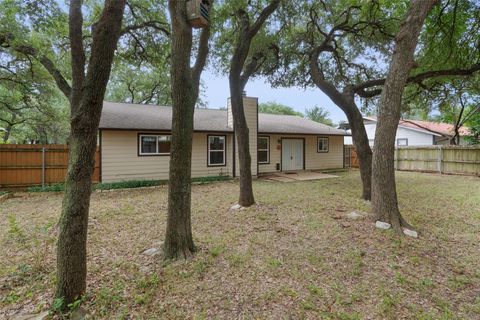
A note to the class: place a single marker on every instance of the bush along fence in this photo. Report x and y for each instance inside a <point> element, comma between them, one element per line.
<point>24,165</point>
<point>464,160</point>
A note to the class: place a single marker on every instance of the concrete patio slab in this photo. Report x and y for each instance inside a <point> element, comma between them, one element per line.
<point>296,176</point>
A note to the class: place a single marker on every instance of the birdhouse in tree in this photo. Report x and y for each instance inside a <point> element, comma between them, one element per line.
<point>197,13</point>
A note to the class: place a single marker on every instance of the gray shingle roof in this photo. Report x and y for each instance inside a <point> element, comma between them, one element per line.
<point>127,116</point>
<point>275,123</point>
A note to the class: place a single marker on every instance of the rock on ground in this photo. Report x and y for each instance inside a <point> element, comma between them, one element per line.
<point>383,225</point>
<point>236,207</point>
<point>152,252</point>
<point>410,233</point>
<point>355,215</point>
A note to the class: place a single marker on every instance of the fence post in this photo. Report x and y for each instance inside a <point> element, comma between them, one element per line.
<point>440,158</point>
<point>43,167</point>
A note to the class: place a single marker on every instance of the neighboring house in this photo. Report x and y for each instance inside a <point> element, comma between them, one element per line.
<point>416,132</point>
<point>135,142</point>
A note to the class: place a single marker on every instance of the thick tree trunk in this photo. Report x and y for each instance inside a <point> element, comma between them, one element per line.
<point>246,198</point>
<point>185,83</point>
<point>86,109</point>
<point>384,195</point>
<point>72,240</point>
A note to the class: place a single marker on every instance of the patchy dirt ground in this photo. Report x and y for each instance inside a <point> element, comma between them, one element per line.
<point>295,255</point>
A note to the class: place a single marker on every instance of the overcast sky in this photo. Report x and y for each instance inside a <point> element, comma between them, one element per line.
<point>217,92</point>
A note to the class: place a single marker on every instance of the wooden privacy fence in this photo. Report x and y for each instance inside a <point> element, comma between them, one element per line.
<point>442,159</point>
<point>23,165</point>
<point>463,160</point>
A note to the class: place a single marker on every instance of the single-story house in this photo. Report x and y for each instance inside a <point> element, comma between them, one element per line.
<point>416,132</point>
<point>135,142</point>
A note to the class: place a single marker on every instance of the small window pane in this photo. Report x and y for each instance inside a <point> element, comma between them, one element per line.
<point>262,143</point>
<point>217,143</point>
<point>262,156</point>
<point>322,144</point>
<point>216,157</point>
<point>402,142</point>
<point>164,144</point>
<point>149,144</point>
<point>216,150</point>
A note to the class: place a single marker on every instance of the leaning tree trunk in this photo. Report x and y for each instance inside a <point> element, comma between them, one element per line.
<point>185,87</point>
<point>384,195</point>
<point>246,198</point>
<point>346,101</point>
<point>360,141</point>
<point>239,75</point>
<point>86,109</point>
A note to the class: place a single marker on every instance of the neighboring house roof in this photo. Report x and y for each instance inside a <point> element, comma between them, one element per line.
<point>435,128</point>
<point>128,116</point>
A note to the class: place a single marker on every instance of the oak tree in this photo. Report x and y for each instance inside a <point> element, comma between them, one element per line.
<point>242,21</point>
<point>384,195</point>
<point>341,47</point>
<point>185,82</point>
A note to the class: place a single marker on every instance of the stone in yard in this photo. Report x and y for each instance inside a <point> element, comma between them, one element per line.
<point>383,225</point>
<point>152,252</point>
<point>236,207</point>
<point>355,215</point>
<point>410,233</point>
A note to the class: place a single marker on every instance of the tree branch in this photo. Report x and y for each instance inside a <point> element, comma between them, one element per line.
<point>157,25</point>
<point>202,55</point>
<point>266,12</point>
<point>75,24</point>
<point>6,41</point>
<point>361,89</point>
<point>317,77</point>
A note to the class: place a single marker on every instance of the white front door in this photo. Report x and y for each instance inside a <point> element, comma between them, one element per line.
<point>292,154</point>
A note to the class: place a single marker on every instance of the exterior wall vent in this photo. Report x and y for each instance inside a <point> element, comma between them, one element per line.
<point>198,13</point>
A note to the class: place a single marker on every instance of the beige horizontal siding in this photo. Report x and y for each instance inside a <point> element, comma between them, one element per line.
<point>250,106</point>
<point>120,160</point>
<point>313,159</point>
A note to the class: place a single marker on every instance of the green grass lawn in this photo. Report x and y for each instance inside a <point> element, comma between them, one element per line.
<point>294,255</point>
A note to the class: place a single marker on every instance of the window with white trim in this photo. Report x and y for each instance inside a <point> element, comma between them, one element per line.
<point>154,144</point>
<point>322,144</point>
<point>402,142</point>
<point>263,148</point>
<point>216,151</point>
